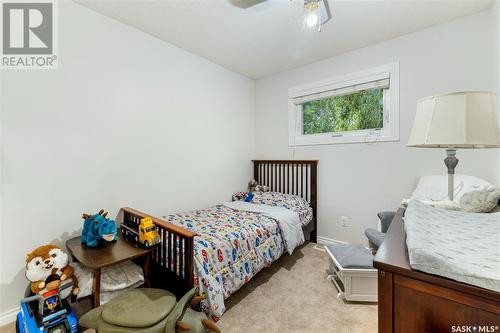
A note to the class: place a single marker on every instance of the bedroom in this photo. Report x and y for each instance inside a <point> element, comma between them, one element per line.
<point>162,106</point>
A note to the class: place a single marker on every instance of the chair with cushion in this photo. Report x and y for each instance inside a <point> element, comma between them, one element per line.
<point>352,272</point>
<point>148,310</point>
<point>375,237</point>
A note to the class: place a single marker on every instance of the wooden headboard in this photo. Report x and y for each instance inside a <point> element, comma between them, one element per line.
<point>298,177</point>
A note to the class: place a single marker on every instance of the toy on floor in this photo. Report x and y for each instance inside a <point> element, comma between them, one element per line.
<point>47,312</point>
<point>45,261</point>
<point>98,229</point>
<point>150,310</point>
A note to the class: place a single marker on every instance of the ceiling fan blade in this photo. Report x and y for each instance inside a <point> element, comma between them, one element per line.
<point>244,4</point>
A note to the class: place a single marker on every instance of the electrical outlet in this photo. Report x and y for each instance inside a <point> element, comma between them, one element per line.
<point>344,221</point>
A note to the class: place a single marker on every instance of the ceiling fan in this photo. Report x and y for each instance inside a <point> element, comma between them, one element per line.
<point>316,12</point>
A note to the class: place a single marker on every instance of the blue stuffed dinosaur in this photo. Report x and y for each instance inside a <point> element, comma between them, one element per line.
<point>98,229</point>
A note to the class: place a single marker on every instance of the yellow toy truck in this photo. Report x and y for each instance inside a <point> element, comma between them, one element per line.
<point>144,232</point>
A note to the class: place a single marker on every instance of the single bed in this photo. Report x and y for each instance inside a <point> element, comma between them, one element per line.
<point>221,248</point>
<point>410,300</point>
<point>458,245</point>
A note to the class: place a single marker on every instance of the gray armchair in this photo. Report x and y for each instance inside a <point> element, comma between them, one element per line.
<point>375,237</point>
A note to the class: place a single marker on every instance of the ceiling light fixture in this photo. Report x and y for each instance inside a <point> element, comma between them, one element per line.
<point>316,13</point>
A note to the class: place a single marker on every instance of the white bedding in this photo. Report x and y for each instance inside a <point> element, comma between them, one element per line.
<point>114,279</point>
<point>471,194</point>
<point>288,221</point>
<point>458,245</point>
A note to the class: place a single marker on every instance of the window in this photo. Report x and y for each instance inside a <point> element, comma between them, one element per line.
<point>361,107</point>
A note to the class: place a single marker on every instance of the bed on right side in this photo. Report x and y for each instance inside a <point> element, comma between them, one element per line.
<point>412,300</point>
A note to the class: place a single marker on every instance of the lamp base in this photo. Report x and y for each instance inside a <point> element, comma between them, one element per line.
<point>451,162</point>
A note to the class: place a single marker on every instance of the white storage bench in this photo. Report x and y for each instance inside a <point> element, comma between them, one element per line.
<point>352,272</point>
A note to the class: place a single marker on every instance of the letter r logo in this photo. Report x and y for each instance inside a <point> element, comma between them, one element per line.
<point>27,28</point>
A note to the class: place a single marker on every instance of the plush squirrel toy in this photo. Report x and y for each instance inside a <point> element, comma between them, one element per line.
<point>45,261</point>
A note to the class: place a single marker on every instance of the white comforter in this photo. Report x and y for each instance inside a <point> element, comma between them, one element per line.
<point>288,221</point>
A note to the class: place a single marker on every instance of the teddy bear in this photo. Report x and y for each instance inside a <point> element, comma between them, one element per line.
<point>254,186</point>
<point>45,261</point>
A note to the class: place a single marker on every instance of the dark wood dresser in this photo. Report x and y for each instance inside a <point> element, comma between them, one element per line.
<point>412,301</point>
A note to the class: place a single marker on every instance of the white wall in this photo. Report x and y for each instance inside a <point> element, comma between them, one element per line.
<point>359,180</point>
<point>496,41</point>
<point>126,120</point>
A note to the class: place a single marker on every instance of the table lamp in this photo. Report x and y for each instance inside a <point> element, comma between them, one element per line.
<point>456,120</point>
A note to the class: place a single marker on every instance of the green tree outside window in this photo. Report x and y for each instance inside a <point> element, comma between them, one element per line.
<point>358,111</point>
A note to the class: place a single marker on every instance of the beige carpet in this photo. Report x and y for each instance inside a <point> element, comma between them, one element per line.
<point>292,296</point>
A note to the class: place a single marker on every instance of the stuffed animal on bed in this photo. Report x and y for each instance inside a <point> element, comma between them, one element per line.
<point>254,186</point>
<point>98,229</point>
<point>46,261</point>
<point>239,196</point>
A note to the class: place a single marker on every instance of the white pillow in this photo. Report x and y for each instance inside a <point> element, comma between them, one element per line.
<point>436,187</point>
<point>480,201</point>
<point>496,209</point>
<point>433,190</point>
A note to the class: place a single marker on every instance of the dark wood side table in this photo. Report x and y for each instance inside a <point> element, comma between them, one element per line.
<point>107,255</point>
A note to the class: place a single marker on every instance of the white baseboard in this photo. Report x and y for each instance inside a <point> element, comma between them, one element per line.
<point>8,316</point>
<point>327,241</point>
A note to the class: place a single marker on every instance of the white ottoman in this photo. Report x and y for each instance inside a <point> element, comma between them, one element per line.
<point>352,272</point>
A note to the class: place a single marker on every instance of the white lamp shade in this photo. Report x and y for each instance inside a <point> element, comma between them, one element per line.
<point>456,120</point>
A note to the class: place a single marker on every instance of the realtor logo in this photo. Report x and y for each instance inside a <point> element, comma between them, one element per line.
<point>28,35</point>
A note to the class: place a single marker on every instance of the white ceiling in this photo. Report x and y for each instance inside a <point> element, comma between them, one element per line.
<point>270,38</point>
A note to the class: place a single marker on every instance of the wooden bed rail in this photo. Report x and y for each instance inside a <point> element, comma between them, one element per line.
<point>175,251</point>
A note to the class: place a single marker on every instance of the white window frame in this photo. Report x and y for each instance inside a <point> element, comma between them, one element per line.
<point>390,131</point>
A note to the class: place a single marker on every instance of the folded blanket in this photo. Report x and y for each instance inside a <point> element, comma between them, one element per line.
<point>288,221</point>
<point>114,278</point>
<point>445,204</point>
<point>457,245</point>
